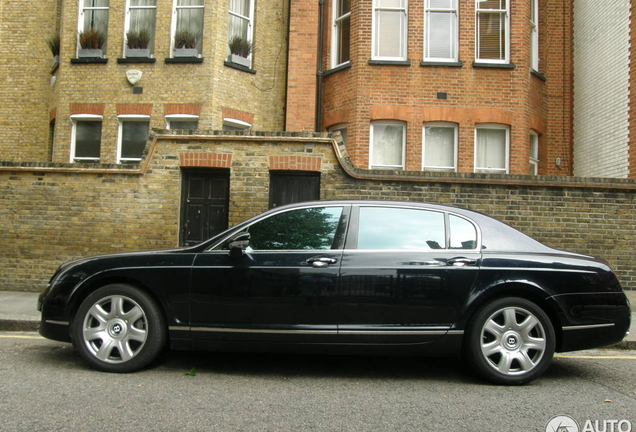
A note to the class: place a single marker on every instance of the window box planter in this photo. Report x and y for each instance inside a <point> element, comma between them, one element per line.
<point>185,52</point>
<point>90,53</point>
<point>137,52</point>
<point>243,61</point>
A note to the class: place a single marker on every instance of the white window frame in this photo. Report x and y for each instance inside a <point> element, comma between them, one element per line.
<point>335,34</point>
<point>454,32</point>
<point>403,36</point>
<point>127,23</point>
<point>448,125</point>
<point>250,26</point>
<point>124,118</point>
<point>236,124</point>
<point>74,120</point>
<point>173,24</point>
<point>80,22</point>
<point>534,153</point>
<point>488,170</point>
<point>534,34</point>
<point>505,13</point>
<point>179,117</point>
<point>339,128</point>
<point>373,165</point>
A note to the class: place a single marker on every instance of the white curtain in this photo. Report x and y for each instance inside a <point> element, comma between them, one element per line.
<point>387,144</point>
<point>439,147</point>
<point>491,149</point>
<point>142,16</point>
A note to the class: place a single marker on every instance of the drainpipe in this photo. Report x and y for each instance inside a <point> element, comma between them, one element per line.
<point>321,30</point>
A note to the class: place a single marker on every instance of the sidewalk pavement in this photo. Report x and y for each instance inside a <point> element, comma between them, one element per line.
<point>18,312</point>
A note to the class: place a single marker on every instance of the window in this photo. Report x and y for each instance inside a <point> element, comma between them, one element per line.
<point>492,31</point>
<point>140,24</point>
<point>410,229</point>
<point>342,128</point>
<point>440,35</point>
<point>534,154</point>
<point>491,149</point>
<point>288,187</point>
<point>389,29</point>
<point>132,138</point>
<point>182,121</point>
<point>187,24</point>
<point>93,24</point>
<point>230,124</point>
<point>302,229</point>
<point>341,36</point>
<point>240,27</point>
<point>387,145</point>
<point>86,137</point>
<point>462,233</point>
<point>439,147</point>
<point>534,34</point>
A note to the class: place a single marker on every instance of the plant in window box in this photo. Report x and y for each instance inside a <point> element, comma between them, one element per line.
<point>54,45</point>
<point>137,42</point>
<point>185,44</point>
<point>91,43</point>
<point>240,50</point>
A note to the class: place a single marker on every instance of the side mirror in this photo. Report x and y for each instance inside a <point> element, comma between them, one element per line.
<point>238,244</point>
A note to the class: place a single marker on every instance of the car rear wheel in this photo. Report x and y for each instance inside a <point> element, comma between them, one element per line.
<point>119,328</point>
<point>510,341</point>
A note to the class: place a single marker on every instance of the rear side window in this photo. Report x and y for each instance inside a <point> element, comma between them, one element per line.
<point>462,233</point>
<point>403,229</point>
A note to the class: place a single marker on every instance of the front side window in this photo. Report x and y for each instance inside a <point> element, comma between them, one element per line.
<point>240,28</point>
<point>410,229</point>
<point>440,32</point>
<point>86,137</point>
<point>491,149</point>
<point>184,121</point>
<point>439,147</point>
<point>93,24</point>
<point>534,154</point>
<point>341,35</point>
<point>187,24</point>
<point>387,145</point>
<point>493,28</point>
<point>133,135</point>
<point>389,29</point>
<point>140,25</point>
<point>302,229</point>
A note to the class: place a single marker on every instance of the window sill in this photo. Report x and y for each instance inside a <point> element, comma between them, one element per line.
<point>538,75</point>
<point>137,60</point>
<point>239,67</point>
<point>494,65</point>
<point>195,60</point>
<point>338,68</point>
<point>89,60</point>
<point>390,62</point>
<point>457,64</point>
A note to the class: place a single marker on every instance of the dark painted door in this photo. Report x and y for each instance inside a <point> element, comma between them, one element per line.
<point>204,206</point>
<point>288,187</point>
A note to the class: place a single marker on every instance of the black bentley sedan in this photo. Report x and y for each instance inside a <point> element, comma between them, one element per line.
<point>348,277</point>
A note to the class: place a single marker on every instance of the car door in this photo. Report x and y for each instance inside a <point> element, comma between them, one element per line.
<point>284,286</point>
<point>405,273</point>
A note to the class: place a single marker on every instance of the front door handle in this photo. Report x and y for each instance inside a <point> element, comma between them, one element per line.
<point>461,262</point>
<point>321,261</point>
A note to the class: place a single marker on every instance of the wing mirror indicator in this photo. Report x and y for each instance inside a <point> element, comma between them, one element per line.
<point>238,244</point>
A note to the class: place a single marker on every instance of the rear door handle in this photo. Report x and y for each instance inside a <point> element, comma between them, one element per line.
<point>461,262</point>
<point>321,261</point>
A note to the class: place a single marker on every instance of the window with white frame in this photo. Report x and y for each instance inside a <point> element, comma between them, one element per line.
<point>389,29</point>
<point>140,24</point>
<point>534,34</point>
<point>439,147</point>
<point>240,28</point>
<point>342,128</point>
<point>492,143</point>
<point>133,135</point>
<point>441,31</point>
<point>86,137</point>
<point>230,124</point>
<point>493,31</point>
<point>341,35</point>
<point>182,121</point>
<point>388,139</point>
<point>92,27</point>
<point>187,24</point>
<point>534,153</point>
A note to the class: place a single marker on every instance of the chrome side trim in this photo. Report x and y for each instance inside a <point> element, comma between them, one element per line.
<point>589,326</point>
<point>57,322</point>
<point>414,332</point>
<point>179,328</point>
<point>272,331</point>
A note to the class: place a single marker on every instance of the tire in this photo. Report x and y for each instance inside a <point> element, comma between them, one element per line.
<point>119,328</point>
<point>510,341</point>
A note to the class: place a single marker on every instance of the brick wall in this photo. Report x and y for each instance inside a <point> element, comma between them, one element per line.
<point>51,213</point>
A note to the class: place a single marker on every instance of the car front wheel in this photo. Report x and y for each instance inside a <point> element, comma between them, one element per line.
<point>510,341</point>
<point>119,328</point>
